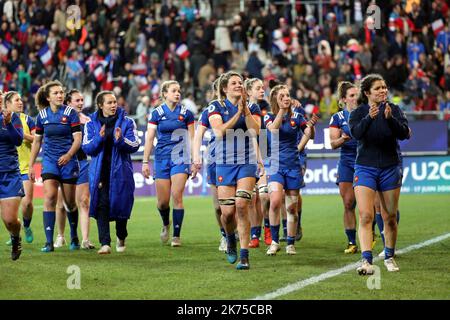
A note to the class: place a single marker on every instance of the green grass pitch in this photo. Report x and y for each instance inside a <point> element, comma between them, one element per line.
<point>197,270</point>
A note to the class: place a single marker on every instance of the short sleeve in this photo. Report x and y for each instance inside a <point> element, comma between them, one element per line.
<point>268,119</point>
<point>30,123</point>
<point>301,121</point>
<point>74,121</point>
<point>39,126</point>
<point>189,118</point>
<point>15,120</point>
<point>204,119</point>
<point>153,119</point>
<point>254,109</point>
<point>213,110</point>
<point>334,122</point>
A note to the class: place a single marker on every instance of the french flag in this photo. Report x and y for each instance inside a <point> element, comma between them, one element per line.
<point>45,55</point>
<point>142,83</point>
<point>99,71</point>
<point>182,51</point>
<point>437,26</point>
<point>139,69</point>
<point>5,47</point>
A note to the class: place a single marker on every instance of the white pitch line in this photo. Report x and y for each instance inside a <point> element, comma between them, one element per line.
<point>333,273</point>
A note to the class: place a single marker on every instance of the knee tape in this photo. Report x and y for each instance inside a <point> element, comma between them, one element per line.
<point>263,188</point>
<point>291,217</point>
<point>227,202</point>
<point>289,200</point>
<point>243,194</point>
<point>273,187</point>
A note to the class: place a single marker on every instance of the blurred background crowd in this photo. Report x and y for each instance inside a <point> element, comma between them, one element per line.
<point>130,47</point>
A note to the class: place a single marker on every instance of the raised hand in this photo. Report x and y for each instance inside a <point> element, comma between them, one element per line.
<point>373,111</point>
<point>388,111</point>
<point>102,131</point>
<point>7,116</point>
<point>118,133</point>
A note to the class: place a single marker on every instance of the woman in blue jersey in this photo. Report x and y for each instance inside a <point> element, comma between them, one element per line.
<point>284,171</point>
<point>173,126</point>
<point>340,138</point>
<point>377,125</point>
<point>75,99</point>
<point>235,124</point>
<point>13,103</point>
<point>11,188</point>
<point>109,138</point>
<point>202,127</point>
<point>58,130</point>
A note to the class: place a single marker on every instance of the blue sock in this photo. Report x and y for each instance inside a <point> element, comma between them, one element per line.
<point>49,225</point>
<point>178,215</point>
<point>253,233</point>
<point>244,254</point>
<point>258,231</point>
<point>388,253</point>
<point>26,222</point>
<point>398,216</point>
<point>73,222</point>
<point>222,232</point>
<point>351,235</point>
<point>275,231</point>
<point>284,221</point>
<point>368,256</point>
<point>290,240</point>
<point>380,224</point>
<point>266,223</point>
<point>165,216</point>
<point>231,240</point>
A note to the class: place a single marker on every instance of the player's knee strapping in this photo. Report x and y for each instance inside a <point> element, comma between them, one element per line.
<point>244,194</point>
<point>227,202</point>
<point>290,200</point>
<point>263,188</point>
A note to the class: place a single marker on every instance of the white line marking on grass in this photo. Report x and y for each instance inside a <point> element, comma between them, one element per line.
<point>333,273</point>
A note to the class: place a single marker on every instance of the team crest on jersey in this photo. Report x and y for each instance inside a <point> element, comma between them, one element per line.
<point>292,123</point>
<point>64,120</point>
<point>180,118</point>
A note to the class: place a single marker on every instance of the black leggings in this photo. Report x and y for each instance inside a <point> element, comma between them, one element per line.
<point>103,220</point>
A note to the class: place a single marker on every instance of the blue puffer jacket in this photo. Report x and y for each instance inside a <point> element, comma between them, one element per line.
<point>121,192</point>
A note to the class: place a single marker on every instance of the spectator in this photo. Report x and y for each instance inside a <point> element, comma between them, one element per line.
<point>328,104</point>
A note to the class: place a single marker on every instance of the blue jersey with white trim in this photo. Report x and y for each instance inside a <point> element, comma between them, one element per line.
<point>167,122</point>
<point>240,154</point>
<point>289,136</point>
<point>204,121</point>
<point>11,136</point>
<point>302,154</point>
<point>57,129</point>
<point>348,149</point>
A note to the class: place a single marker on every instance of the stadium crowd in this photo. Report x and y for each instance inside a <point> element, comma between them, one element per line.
<point>130,47</point>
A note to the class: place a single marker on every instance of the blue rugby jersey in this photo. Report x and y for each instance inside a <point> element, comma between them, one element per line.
<point>289,136</point>
<point>204,121</point>
<point>302,154</point>
<point>11,136</point>
<point>348,149</point>
<point>167,122</point>
<point>241,151</point>
<point>57,128</point>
